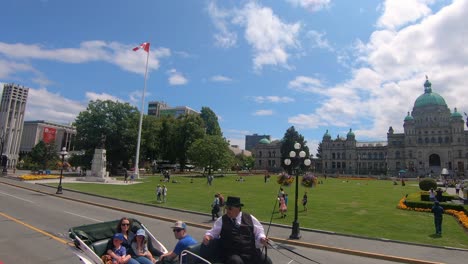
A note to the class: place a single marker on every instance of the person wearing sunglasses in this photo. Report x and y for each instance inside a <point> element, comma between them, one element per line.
<point>124,227</point>
<point>238,235</point>
<point>185,240</point>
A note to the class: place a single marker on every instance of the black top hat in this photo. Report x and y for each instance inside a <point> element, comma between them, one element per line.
<point>234,201</point>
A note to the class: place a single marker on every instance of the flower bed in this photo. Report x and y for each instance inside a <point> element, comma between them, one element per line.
<point>285,179</point>
<point>30,177</point>
<point>460,215</point>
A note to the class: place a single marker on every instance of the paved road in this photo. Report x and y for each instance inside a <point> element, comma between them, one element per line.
<point>310,242</point>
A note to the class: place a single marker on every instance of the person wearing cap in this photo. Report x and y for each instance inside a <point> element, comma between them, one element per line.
<point>240,235</point>
<point>185,240</point>
<point>119,252</point>
<point>438,212</point>
<point>140,248</point>
<point>124,228</point>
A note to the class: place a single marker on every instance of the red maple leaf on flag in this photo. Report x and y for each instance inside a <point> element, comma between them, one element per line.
<point>144,46</point>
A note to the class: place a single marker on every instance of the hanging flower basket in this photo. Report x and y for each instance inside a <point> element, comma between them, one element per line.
<point>309,180</point>
<point>285,179</point>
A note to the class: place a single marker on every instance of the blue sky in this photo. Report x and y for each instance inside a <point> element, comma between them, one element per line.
<point>261,66</point>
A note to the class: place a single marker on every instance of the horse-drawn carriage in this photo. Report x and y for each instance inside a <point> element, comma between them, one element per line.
<point>91,243</point>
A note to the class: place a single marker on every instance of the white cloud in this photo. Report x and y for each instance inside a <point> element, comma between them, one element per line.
<point>92,96</point>
<point>311,5</point>
<point>43,105</point>
<point>318,40</point>
<point>88,51</point>
<point>306,84</point>
<point>220,78</point>
<point>224,38</point>
<point>269,37</point>
<point>398,13</point>
<point>383,89</point>
<point>264,112</point>
<point>273,99</point>
<point>176,78</point>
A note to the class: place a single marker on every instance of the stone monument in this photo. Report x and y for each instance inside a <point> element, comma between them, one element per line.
<point>98,171</point>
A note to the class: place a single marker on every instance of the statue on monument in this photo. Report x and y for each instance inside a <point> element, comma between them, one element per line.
<point>103,142</point>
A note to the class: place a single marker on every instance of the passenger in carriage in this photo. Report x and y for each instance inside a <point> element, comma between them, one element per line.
<point>124,227</point>
<point>140,250</point>
<point>185,240</point>
<point>118,252</point>
<point>240,235</point>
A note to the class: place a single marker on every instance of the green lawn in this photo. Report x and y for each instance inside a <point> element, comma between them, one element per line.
<point>358,207</point>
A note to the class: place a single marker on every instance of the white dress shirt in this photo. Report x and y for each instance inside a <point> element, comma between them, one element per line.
<point>257,229</point>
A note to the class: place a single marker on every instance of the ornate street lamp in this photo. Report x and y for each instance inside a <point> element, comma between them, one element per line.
<point>297,158</point>
<point>63,153</point>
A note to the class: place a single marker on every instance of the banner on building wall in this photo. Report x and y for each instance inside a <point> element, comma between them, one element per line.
<point>49,135</point>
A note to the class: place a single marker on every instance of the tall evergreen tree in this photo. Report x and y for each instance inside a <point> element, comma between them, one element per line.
<point>289,139</point>
<point>211,121</point>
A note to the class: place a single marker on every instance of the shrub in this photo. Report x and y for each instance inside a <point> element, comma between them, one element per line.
<point>427,184</point>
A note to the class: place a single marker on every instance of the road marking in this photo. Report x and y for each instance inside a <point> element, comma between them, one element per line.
<point>19,198</point>
<point>95,220</point>
<point>35,228</point>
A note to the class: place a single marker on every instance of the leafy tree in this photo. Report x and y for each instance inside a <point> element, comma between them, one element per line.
<point>242,161</point>
<point>211,121</point>
<point>290,138</point>
<point>166,135</point>
<point>108,124</point>
<point>44,154</point>
<point>319,150</point>
<point>212,152</point>
<point>188,129</point>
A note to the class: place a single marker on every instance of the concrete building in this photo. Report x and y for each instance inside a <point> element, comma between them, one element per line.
<point>159,109</point>
<point>434,138</point>
<point>267,155</point>
<point>34,131</point>
<point>12,109</point>
<point>252,140</point>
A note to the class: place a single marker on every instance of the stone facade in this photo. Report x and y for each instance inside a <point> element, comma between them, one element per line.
<point>434,138</point>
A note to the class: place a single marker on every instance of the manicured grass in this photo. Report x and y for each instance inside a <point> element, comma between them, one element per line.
<point>359,207</point>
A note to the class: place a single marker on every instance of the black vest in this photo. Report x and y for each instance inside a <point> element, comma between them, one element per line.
<point>239,240</point>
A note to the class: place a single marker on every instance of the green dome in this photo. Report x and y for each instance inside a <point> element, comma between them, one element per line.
<point>264,141</point>
<point>350,133</point>
<point>455,114</point>
<point>429,98</point>
<point>326,135</point>
<point>409,117</point>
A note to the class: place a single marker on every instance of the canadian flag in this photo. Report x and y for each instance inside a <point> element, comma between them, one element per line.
<point>144,46</point>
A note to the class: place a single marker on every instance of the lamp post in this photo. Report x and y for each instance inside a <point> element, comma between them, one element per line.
<point>296,158</point>
<point>63,153</point>
<point>3,157</point>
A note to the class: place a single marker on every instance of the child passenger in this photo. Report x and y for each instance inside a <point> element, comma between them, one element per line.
<point>119,252</point>
<point>140,248</point>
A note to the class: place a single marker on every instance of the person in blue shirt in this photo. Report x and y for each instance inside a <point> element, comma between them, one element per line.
<point>185,240</point>
<point>119,252</point>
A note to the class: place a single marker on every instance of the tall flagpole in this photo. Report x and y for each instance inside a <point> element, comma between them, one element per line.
<point>137,156</point>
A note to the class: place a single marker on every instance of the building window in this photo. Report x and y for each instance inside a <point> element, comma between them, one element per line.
<point>397,154</point>
<point>259,154</point>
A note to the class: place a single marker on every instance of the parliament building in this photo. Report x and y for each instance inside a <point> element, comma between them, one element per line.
<point>434,138</point>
